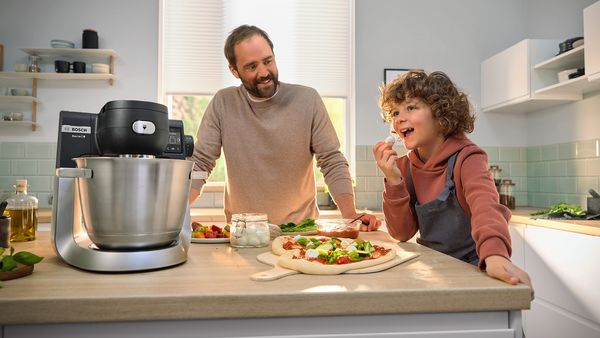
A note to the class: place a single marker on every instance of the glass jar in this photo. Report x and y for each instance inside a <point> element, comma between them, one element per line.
<point>507,196</point>
<point>22,209</point>
<point>249,231</point>
<point>495,171</point>
<point>34,64</point>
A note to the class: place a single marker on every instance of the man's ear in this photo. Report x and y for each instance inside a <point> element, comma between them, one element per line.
<point>234,72</point>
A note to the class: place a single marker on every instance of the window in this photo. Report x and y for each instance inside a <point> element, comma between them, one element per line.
<point>312,44</point>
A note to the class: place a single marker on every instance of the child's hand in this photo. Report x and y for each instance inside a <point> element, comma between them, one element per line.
<point>386,158</point>
<point>504,270</point>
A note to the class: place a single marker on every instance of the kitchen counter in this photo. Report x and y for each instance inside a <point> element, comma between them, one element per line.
<point>519,215</point>
<point>523,216</point>
<point>215,283</point>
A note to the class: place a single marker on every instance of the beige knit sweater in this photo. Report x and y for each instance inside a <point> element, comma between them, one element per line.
<point>269,148</point>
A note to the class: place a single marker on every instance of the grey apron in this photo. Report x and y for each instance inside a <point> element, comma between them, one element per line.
<point>443,224</point>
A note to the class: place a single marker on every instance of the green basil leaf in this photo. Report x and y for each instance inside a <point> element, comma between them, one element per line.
<point>8,263</point>
<point>27,258</point>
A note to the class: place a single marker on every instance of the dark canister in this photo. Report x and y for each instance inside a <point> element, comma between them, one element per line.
<point>62,66</point>
<point>4,231</point>
<point>132,127</point>
<point>78,67</point>
<point>90,39</point>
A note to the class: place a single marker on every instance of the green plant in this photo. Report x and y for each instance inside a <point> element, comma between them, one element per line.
<point>9,261</point>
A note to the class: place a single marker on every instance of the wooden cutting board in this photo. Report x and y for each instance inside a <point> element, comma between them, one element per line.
<point>278,272</point>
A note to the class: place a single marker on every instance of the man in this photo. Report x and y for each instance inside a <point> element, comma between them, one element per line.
<point>269,132</point>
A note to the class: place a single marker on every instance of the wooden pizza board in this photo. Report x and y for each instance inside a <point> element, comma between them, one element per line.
<point>278,272</point>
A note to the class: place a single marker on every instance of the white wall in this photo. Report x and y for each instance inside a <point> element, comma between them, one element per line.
<point>455,36</point>
<point>129,27</point>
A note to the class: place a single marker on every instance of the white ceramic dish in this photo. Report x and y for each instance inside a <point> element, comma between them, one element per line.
<point>20,67</point>
<point>210,240</point>
<point>62,44</point>
<point>564,75</point>
<point>100,68</point>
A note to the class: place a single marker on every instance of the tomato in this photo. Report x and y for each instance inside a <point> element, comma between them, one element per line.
<point>288,245</point>
<point>215,228</point>
<point>343,260</point>
<point>209,234</point>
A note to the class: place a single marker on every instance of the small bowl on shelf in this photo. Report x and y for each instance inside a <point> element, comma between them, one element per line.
<point>340,228</point>
<point>20,67</point>
<point>19,92</point>
<point>12,116</point>
<point>100,68</point>
<point>62,44</point>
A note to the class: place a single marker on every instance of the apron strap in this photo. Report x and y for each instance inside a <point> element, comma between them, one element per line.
<point>448,188</point>
<point>411,188</point>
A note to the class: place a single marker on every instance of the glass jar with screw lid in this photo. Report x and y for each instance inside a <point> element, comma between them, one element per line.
<point>249,230</point>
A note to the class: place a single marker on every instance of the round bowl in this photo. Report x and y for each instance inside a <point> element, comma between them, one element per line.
<point>133,203</point>
<point>100,68</point>
<point>341,228</point>
<point>19,92</point>
<point>20,67</point>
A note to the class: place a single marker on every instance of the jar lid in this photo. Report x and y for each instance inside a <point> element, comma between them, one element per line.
<point>495,167</point>
<point>249,217</point>
<point>507,182</point>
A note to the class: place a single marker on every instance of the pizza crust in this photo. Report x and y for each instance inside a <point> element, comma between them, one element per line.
<point>286,260</point>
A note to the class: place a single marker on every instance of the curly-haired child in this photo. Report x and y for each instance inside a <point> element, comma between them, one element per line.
<point>442,187</point>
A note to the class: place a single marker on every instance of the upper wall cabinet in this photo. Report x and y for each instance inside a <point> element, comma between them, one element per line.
<point>591,31</point>
<point>510,82</point>
<point>525,77</point>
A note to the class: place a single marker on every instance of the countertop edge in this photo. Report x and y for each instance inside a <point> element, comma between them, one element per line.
<point>49,311</point>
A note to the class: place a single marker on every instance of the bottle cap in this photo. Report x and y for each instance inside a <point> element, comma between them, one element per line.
<point>21,183</point>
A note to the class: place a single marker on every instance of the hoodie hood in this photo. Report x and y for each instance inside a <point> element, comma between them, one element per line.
<point>439,159</point>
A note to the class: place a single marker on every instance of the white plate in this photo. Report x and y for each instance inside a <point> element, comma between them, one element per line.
<point>210,240</point>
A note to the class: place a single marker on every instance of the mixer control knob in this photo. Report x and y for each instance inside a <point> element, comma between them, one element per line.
<point>143,127</point>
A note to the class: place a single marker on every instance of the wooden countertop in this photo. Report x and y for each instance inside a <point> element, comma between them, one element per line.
<point>215,283</point>
<point>523,216</point>
<point>520,215</point>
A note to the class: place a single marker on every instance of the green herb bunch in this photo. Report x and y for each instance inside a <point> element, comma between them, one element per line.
<point>562,207</point>
<point>9,261</point>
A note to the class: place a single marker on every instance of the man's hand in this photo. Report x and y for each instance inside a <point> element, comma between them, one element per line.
<point>370,222</point>
<point>504,270</point>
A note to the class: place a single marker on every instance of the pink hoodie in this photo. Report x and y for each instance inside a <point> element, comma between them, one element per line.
<point>475,191</point>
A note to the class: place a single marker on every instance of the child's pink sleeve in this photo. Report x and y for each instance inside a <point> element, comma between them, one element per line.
<point>401,222</point>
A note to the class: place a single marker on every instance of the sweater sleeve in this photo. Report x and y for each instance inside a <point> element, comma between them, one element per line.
<point>207,148</point>
<point>489,218</point>
<point>326,147</point>
<point>400,219</point>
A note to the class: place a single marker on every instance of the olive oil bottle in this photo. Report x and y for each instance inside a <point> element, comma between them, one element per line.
<point>22,209</point>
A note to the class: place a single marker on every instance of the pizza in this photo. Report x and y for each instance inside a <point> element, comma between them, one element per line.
<point>320,255</point>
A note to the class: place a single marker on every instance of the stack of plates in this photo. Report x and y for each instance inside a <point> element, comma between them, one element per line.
<point>62,44</point>
<point>100,68</point>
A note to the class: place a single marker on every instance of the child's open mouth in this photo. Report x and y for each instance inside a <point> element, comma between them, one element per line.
<point>406,132</point>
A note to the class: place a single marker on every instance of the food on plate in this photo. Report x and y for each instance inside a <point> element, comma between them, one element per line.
<point>307,225</point>
<point>209,231</point>
<point>343,228</point>
<point>321,255</point>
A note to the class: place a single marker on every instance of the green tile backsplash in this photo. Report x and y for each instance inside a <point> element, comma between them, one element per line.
<point>543,175</point>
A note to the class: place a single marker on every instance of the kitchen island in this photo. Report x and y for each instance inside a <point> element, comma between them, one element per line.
<point>212,295</point>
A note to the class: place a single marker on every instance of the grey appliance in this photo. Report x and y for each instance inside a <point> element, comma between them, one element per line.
<point>121,188</point>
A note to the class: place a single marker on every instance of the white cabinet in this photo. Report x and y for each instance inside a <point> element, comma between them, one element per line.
<point>566,277</point>
<point>30,80</point>
<point>591,32</point>
<point>517,233</point>
<point>524,77</point>
<point>509,82</point>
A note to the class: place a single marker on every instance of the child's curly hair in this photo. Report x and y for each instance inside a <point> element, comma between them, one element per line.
<point>450,107</point>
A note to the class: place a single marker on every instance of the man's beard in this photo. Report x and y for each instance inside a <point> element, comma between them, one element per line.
<point>263,93</point>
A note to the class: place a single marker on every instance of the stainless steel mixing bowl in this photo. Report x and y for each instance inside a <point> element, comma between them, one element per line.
<point>133,203</point>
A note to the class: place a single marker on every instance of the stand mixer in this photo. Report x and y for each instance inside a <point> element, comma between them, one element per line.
<point>121,188</point>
